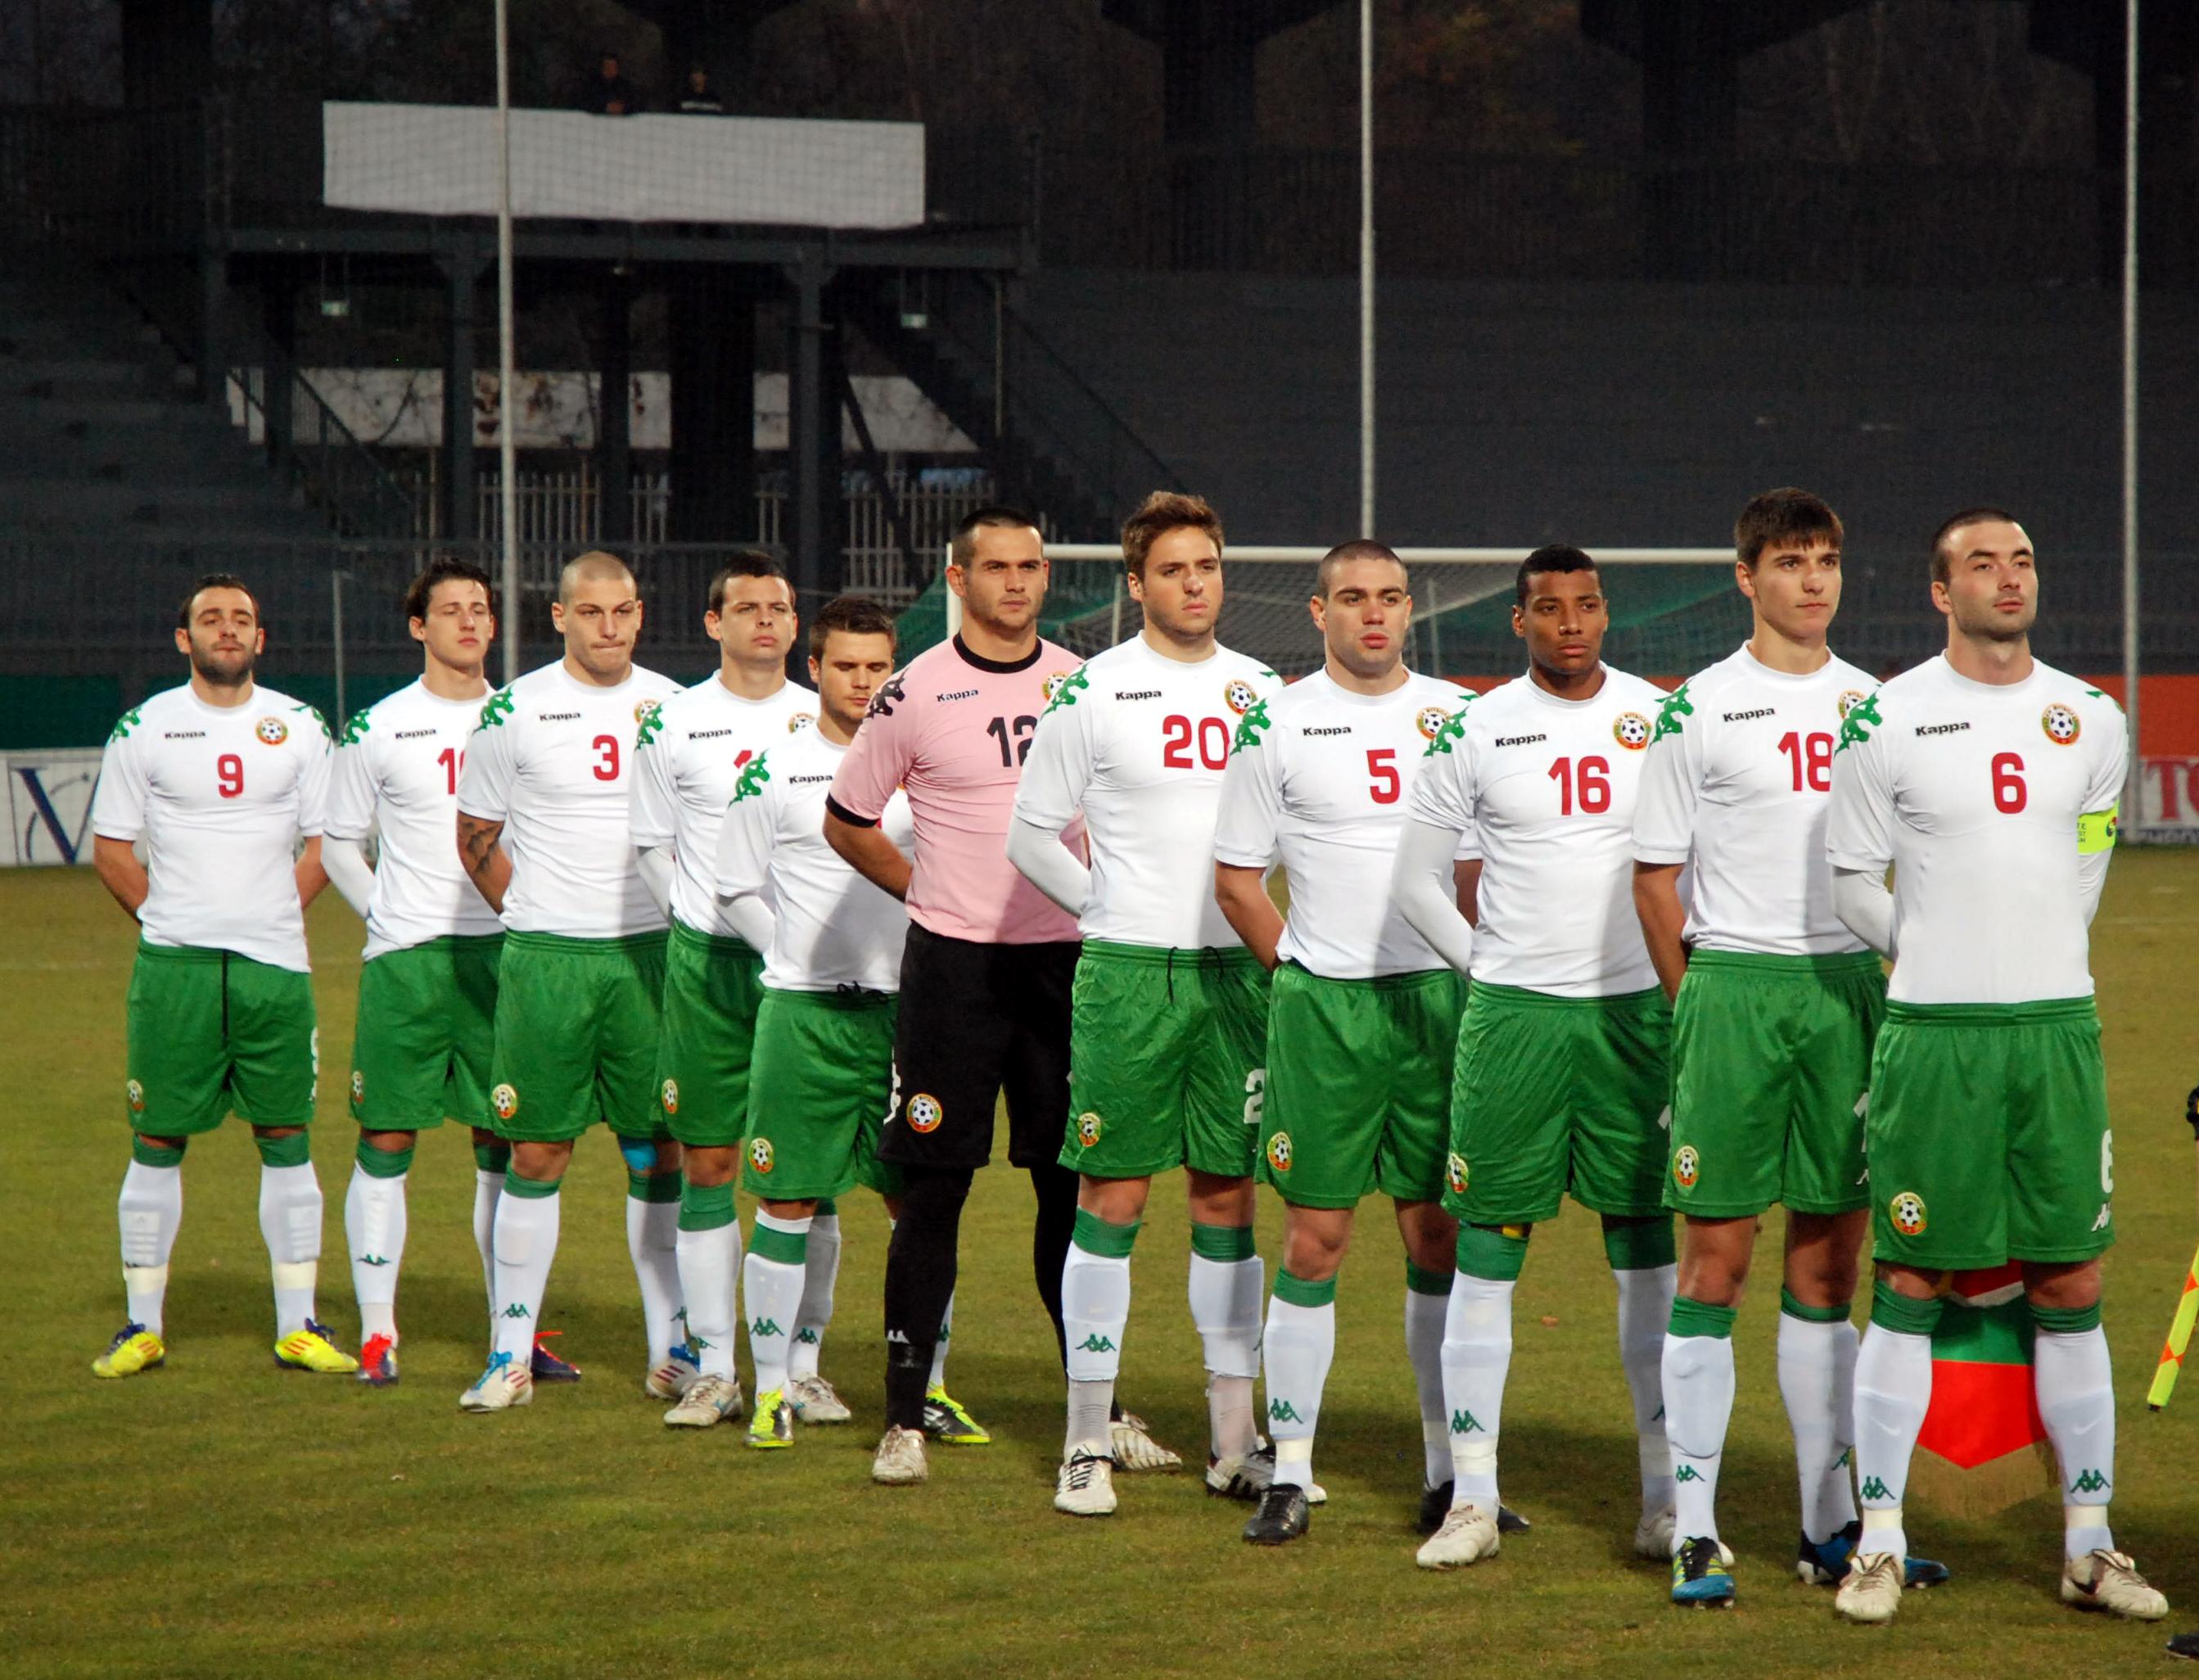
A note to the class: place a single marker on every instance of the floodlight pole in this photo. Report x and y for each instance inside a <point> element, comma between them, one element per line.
<point>2134,782</point>
<point>507,446</point>
<point>1367,267</point>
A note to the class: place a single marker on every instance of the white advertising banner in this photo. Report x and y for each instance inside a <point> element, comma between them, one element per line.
<point>49,805</point>
<point>776,171</point>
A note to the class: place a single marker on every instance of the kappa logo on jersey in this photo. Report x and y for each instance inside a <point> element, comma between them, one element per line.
<point>358,1086</point>
<point>1430,721</point>
<point>1250,725</point>
<point>1672,715</point>
<point>652,725</point>
<point>1907,1212</point>
<point>2061,725</point>
<point>754,774</point>
<point>890,694</point>
<point>924,1112</point>
<point>798,721</point>
<point>498,710</point>
<point>1455,1173</point>
<point>761,1156</point>
<point>356,725</point>
<point>1631,731</point>
<point>1850,699</point>
<point>1062,691</point>
<point>1240,695</point>
<point>1278,1152</point>
<point>272,730</point>
<point>1088,1128</point>
<point>1687,1167</point>
<point>668,1095</point>
<point>504,1100</point>
<point>1857,721</point>
<point>1451,732</point>
<point>136,1094</point>
<point>123,725</point>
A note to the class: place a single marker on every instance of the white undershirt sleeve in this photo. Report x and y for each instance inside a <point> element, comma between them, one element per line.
<point>1866,907</point>
<point>1048,864</point>
<point>348,872</point>
<point>654,864</point>
<point>1425,888</point>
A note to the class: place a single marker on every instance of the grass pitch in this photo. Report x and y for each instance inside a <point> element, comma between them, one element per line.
<point>219,1518</point>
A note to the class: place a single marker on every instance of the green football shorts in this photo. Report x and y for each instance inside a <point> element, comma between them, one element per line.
<point>1770,1063</point>
<point>422,1042</point>
<point>822,1082</point>
<point>1555,1095</point>
<point>1358,1086</point>
<point>576,1036</point>
<point>1165,1060</point>
<point>1988,1133</point>
<point>211,1032</point>
<point>712,986</point>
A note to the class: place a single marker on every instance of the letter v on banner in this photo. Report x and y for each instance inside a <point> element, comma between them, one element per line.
<point>50,801</point>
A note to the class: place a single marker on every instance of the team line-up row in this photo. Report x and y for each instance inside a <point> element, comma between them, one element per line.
<point>809,938</point>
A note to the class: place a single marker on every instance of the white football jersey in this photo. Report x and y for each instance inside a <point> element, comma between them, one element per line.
<point>1319,778</point>
<point>1738,786</point>
<point>832,928</point>
<point>220,795</point>
<point>689,758</point>
<point>1138,742</point>
<point>396,776</point>
<point>1546,790</point>
<point>1990,801</point>
<point>552,760</point>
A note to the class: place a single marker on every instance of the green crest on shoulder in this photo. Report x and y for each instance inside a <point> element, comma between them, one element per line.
<point>498,710</point>
<point>1071,686</point>
<point>356,725</point>
<point>753,775</point>
<point>652,723</point>
<point>1862,717</point>
<point>1452,732</point>
<point>123,725</point>
<point>1669,715</point>
<point>1250,725</point>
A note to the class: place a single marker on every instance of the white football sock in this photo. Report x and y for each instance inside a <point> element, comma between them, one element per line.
<point>652,1240</point>
<point>2075,1387</point>
<point>526,1243</point>
<point>1892,1392</point>
<point>1816,1379</point>
<point>820,1273</point>
<point>1645,1307</point>
<point>938,1378</point>
<point>773,1283</point>
<point>1225,1298</point>
<point>1698,1380</point>
<point>374,1225</point>
<point>1477,1355</point>
<point>1424,1337</point>
<point>1095,1308</point>
<point>149,1212</point>
<point>290,1223</point>
<point>708,1263</point>
<point>488,1186</point>
<point>1297,1349</point>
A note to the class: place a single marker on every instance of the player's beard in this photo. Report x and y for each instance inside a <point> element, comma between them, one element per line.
<point>217,670</point>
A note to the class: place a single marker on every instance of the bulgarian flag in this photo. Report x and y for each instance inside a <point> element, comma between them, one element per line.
<point>1983,1446</point>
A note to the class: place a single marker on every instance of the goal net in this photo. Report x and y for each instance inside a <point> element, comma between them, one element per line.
<point>1673,610</point>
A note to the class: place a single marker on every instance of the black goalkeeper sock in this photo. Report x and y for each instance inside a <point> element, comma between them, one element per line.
<point>921,1268</point>
<point>1055,1186</point>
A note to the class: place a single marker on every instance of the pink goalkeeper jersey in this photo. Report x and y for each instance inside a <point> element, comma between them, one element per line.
<point>954,729</point>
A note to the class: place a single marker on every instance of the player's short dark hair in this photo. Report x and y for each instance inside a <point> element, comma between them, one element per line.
<point>1359,548</point>
<point>217,580</point>
<point>854,616</point>
<point>1783,515</point>
<point>963,547</point>
<point>1942,560</point>
<point>1164,512</point>
<point>420,593</point>
<point>749,563</point>
<point>1550,558</point>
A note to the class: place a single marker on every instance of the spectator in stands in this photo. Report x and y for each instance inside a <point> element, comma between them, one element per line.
<point>701,98</point>
<point>609,94</point>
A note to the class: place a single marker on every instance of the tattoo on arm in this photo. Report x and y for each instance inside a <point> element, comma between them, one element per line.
<point>485,860</point>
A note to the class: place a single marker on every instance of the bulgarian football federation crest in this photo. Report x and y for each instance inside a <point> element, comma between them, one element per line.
<point>1631,731</point>
<point>1849,700</point>
<point>272,730</point>
<point>1278,1152</point>
<point>136,1093</point>
<point>1088,1128</point>
<point>1238,696</point>
<point>799,722</point>
<point>1430,721</point>
<point>759,1154</point>
<point>670,1096</point>
<point>1455,1173</point>
<point>1687,1166</point>
<point>1906,1211</point>
<point>358,1086</point>
<point>924,1112</point>
<point>504,1100</point>
<point>2061,725</point>
<point>1050,690</point>
<point>644,710</point>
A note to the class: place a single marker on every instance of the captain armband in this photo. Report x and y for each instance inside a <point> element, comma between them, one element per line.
<point>2096,832</point>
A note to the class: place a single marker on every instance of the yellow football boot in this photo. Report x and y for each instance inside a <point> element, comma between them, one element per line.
<point>310,1350</point>
<point>134,1348</point>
